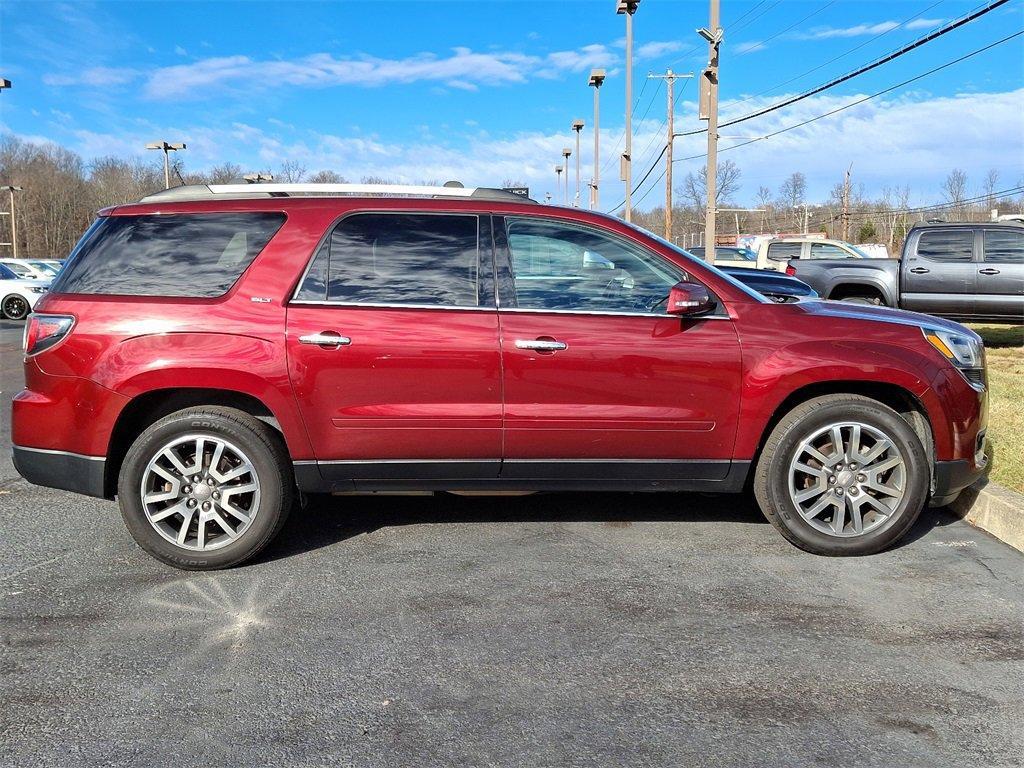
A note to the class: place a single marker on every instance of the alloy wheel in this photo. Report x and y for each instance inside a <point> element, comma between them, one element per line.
<point>200,492</point>
<point>847,479</point>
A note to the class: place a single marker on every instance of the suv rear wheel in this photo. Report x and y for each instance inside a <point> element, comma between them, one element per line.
<point>205,488</point>
<point>842,475</point>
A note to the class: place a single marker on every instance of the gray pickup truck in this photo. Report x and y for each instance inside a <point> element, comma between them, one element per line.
<point>962,271</point>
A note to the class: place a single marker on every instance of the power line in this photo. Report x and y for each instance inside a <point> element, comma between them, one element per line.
<point>840,56</point>
<point>860,70</point>
<point>797,24</point>
<point>751,20</point>
<point>827,114</point>
<point>938,206</point>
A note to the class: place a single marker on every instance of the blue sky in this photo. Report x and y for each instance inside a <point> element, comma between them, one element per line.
<point>484,91</point>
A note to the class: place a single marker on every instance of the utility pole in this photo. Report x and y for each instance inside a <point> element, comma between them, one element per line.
<point>628,7</point>
<point>166,148</point>
<point>846,204</point>
<point>596,78</point>
<point>577,126</point>
<point>14,224</point>
<point>709,111</point>
<point>806,219</point>
<point>566,153</point>
<point>670,81</point>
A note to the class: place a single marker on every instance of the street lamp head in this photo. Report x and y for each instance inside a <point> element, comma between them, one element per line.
<point>558,169</point>
<point>176,146</point>
<point>4,82</point>
<point>577,125</point>
<point>566,152</point>
<point>626,6</point>
<point>596,77</point>
<point>11,188</point>
<point>155,145</point>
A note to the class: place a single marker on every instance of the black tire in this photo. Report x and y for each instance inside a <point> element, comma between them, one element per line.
<point>771,477</point>
<point>14,307</point>
<point>264,449</point>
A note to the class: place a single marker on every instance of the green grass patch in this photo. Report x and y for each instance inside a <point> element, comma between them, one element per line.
<point>1004,350</point>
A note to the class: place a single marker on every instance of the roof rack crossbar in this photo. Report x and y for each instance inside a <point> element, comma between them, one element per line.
<point>200,191</point>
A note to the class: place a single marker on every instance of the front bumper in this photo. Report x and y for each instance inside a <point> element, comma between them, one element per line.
<point>62,469</point>
<point>952,477</point>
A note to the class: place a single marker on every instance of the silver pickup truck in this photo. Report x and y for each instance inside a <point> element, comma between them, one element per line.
<point>962,271</point>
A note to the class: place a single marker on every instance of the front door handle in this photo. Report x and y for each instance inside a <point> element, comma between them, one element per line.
<point>541,345</point>
<point>989,271</point>
<point>919,270</point>
<point>326,339</point>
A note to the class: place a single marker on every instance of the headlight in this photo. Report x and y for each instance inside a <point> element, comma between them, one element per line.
<point>965,352</point>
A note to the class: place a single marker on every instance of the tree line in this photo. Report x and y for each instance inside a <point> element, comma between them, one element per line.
<point>61,193</point>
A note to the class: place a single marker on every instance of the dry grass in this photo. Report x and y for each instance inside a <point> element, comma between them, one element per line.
<point>1004,348</point>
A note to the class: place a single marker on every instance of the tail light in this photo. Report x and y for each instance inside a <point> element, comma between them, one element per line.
<point>45,331</point>
<point>790,270</point>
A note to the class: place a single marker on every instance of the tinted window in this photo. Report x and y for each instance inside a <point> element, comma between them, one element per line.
<point>948,245</point>
<point>1004,247</point>
<point>559,266</point>
<point>784,251</point>
<point>828,251</point>
<point>398,259</point>
<point>187,255</point>
<point>6,274</point>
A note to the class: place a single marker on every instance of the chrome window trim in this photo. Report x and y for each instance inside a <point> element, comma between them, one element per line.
<point>382,305</point>
<point>611,313</point>
<point>329,232</point>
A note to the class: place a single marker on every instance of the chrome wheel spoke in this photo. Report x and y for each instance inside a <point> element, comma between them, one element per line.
<point>847,478</point>
<point>191,502</point>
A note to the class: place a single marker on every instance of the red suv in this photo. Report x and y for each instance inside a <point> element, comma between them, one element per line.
<point>211,354</point>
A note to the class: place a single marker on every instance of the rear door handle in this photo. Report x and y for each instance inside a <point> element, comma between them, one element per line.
<point>326,339</point>
<point>988,271</point>
<point>541,345</point>
<point>919,270</point>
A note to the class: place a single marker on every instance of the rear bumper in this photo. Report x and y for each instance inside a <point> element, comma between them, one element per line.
<point>61,469</point>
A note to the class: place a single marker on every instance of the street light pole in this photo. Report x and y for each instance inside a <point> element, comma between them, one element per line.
<point>628,7</point>
<point>558,181</point>
<point>566,153</point>
<point>709,112</point>
<point>166,148</point>
<point>577,125</point>
<point>596,78</point>
<point>14,224</point>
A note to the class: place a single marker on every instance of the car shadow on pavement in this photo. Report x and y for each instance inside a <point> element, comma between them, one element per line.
<point>328,520</point>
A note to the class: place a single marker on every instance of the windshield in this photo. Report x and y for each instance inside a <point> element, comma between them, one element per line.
<point>687,255</point>
<point>21,270</point>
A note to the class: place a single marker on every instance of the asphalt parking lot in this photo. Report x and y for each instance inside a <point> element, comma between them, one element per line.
<point>571,629</point>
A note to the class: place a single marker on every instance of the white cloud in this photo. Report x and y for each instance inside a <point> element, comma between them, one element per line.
<point>923,23</point>
<point>180,51</point>
<point>749,47</point>
<point>96,77</point>
<point>825,33</point>
<point>658,48</point>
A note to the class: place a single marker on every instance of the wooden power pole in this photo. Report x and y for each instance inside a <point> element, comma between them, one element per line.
<point>670,78</point>
<point>846,204</point>
<point>709,112</point>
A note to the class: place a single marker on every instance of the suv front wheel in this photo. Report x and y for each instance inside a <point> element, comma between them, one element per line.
<point>205,488</point>
<point>842,475</point>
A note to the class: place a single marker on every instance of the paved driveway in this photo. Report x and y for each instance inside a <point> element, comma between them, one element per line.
<point>569,629</point>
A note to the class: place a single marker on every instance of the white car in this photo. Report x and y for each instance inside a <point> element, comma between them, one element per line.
<point>18,296</point>
<point>26,270</point>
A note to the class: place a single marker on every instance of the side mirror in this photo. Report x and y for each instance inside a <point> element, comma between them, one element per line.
<point>689,299</point>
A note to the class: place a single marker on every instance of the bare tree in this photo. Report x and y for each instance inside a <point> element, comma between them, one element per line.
<point>954,188</point>
<point>292,172</point>
<point>792,193</point>
<point>989,187</point>
<point>327,177</point>
<point>694,190</point>
<point>225,174</point>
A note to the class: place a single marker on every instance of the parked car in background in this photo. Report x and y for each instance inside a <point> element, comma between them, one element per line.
<point>17,295</point>
<point>777,286</point>
<point>24,270</point>
<point>874,250</point>
<point>44,267</point>
<point>963,271</point>
<point>728,256</point>
<point>234,347</point>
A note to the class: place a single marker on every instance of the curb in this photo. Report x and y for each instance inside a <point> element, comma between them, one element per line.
<point>994,509</point>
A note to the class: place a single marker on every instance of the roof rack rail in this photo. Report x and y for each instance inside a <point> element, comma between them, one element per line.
<point>207,191</point>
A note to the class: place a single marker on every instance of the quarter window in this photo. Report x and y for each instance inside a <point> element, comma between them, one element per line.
<point>828,251</point>
<point>416,259</point>
<point>784,251</point>
<point>946,246</point>
<point>564,267</point>
<point>1004,247</point>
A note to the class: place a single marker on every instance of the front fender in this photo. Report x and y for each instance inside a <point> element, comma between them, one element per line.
<point>772,378</point>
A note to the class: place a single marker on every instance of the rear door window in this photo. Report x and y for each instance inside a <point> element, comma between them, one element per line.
<point>197,255</point>
<point>946,245</point>
<point>398,259</point>
<point>784,251</point>
<point>1004,247</point>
